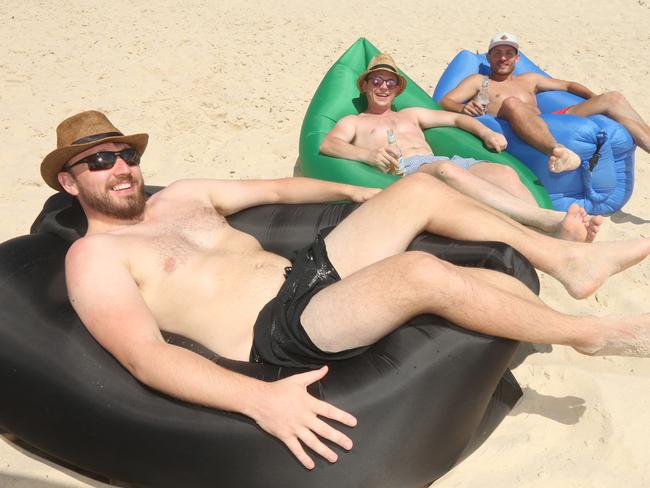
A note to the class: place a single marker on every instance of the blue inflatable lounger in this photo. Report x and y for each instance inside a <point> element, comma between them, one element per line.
<point>605,180</point>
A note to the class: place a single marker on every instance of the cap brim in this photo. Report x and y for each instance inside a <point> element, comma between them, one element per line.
<point>54,162</point>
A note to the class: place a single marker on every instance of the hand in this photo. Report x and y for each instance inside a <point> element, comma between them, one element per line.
<point>473,108</point>
<point>360,194</point>
<point>385,159</point>
<point>292,415</point>
<point>494,140</point>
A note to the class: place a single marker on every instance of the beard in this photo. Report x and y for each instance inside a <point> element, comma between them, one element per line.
<point>127,208</point>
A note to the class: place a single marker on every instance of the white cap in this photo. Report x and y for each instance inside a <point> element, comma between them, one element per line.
<point>504,39</point>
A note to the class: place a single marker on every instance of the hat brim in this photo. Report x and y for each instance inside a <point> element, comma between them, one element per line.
<point>362,78</point>
<point>53,163</point>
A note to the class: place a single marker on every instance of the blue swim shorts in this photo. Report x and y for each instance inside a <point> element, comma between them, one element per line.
<point>412,164</point>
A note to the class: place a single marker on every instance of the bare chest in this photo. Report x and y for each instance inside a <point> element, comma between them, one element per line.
<point>517,88</point>
<point>372,131</point>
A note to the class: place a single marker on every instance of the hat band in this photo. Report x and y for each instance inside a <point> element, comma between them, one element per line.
<point>383,66</point>
<point>96,137</point>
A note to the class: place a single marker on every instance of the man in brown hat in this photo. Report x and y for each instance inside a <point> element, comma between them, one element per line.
<point>172,262</point>
<point>394,141</point>
<point>512,98</point>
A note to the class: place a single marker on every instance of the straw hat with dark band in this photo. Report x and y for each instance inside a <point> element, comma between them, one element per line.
<point>382,62</point>
<point>80,132</point>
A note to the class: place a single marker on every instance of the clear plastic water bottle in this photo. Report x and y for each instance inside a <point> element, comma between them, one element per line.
<point>392,143</point>
<point>483,96</point>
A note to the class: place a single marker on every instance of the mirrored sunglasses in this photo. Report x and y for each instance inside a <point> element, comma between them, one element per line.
<point>377,81</point>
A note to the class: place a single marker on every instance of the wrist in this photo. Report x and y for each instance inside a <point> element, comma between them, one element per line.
<point>253,400</point>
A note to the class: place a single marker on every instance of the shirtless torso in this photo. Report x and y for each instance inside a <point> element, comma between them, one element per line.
<point>371,131</point>
<point>522,87</point>
<point>199,276</point>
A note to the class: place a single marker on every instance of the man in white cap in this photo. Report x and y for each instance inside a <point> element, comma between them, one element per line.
<point>512,97</point>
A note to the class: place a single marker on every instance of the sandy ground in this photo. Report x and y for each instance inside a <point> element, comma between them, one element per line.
<point>222,88</point>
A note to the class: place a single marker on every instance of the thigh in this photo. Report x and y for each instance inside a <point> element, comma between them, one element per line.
<point>372,302</point>
<point>386,224</point>
<point>588,107</point>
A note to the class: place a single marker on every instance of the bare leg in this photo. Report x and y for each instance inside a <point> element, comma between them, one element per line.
<point>386,224</point>
<point>575,225</point>
<point>413,283</point>
<point>530,127</point>
<point>503,177</point>
<point>616,106</point>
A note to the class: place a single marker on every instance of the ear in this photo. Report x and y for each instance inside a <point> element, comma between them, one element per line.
<point>69,184</point>
<point>364,87</point>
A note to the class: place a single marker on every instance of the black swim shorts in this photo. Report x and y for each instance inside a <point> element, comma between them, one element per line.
<point>278,335</point>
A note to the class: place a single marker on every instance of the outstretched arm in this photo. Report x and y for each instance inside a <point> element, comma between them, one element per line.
<point>339,143</point>
<point>439,118</point>
<point>129,331</point>
<point>461,99</point>
<point>544,83</point>
<point>231,196</point>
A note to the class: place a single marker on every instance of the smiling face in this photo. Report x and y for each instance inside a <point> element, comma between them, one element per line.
<point>116,192</point>
<point>380,87</point>
<point>503,60</point>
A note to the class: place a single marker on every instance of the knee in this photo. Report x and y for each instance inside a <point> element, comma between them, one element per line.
<point>613,98</point>
<point>503,172</point>
<point>511,106</point>
<point>420,268</point>
<point>447,171</point>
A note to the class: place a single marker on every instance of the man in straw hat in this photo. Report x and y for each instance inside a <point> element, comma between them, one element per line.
<point>512,98</point>
<point>391,140</point>
<point>172,262</point>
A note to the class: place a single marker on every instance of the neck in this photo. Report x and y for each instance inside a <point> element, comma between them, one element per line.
<point>376,110</point>
<point>497,77</point>
<point>100,223</point>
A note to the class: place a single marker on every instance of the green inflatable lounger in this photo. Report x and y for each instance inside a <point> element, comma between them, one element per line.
<point>338,96</point>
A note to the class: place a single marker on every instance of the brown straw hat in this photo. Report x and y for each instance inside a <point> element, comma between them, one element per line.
<point>76,134</point>
<point>381,62</point>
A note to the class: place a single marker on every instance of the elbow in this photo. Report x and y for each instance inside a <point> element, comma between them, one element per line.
<point>324,147</point>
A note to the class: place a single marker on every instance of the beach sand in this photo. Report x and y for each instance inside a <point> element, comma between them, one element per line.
<point>222,87</point>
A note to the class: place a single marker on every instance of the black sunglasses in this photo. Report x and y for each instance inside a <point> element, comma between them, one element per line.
<point>106,159</point>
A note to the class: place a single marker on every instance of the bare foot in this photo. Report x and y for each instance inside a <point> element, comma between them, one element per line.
<point>585,268</point>
<point>621,336</point>
<point>563,159</point>
<point>578,226</point>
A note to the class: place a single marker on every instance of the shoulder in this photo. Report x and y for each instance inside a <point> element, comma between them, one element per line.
<point>349,120</point>
<point>475,79</point>
<point>416,113</point>
<point>90,250</point>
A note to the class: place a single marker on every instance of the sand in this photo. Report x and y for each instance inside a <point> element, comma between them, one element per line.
<point>222,88</point>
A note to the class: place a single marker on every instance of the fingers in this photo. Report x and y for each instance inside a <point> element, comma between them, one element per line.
<point>311,376</point>
<point>472,108</point>
<point>329,411</point>
<point>315,444</point>
<point>326,431</point>
<point>297,450</point>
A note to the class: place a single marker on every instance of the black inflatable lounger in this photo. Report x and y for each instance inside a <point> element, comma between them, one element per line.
<point>425,396</point>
